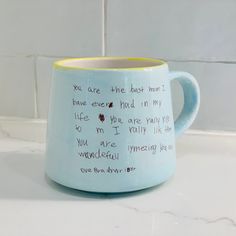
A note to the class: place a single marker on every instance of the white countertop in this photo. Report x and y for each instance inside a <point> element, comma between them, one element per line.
<point>199,200</point>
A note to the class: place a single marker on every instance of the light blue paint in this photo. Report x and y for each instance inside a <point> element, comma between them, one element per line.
<point>63,164</point>
<point>191,100</point>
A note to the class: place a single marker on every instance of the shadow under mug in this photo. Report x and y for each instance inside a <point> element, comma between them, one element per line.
<point>110,123</point>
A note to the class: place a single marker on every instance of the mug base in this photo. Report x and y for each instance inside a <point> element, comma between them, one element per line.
<point>118,191</point>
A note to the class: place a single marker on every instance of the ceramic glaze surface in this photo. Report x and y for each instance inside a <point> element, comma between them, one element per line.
<point>111,129</point>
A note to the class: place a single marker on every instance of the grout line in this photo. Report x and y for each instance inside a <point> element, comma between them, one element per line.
<point>39,121</point>
<point>40,125</point>
<point>211,132</point>
<point>35,55</point>
<point>35,89</point>
<point>104,27</point>
<point>17,55</point>
<point>104,48</point>
<point>200,61</point>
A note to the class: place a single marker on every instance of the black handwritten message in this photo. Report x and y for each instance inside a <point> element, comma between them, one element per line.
<point>100,122</point>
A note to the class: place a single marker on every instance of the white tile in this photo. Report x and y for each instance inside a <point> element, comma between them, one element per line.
<point>44,76</point>
<point>218,98</point>
<point>56,27</point>
<point>17,86</point>
<point>177,98</point>
<point>172,29</point>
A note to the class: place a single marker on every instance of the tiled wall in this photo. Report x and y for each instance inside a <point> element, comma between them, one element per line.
<point>198,36</point>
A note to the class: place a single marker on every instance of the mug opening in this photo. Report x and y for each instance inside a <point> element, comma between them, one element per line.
<point>109,63</point>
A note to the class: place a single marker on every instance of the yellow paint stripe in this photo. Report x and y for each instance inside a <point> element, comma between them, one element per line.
<point>61,63</point>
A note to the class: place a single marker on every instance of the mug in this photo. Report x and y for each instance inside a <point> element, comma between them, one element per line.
<point>110,123</point>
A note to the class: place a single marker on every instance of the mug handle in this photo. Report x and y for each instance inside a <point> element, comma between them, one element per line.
<point>191,100</point>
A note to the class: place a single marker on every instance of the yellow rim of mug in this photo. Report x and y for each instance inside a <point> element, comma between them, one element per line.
<point>61,63</point>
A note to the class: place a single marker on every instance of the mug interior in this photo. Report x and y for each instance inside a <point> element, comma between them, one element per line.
<point>109,63</point>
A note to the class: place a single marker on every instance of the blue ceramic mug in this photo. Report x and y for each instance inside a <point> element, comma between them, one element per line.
<point>110,124</point>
